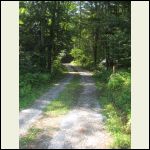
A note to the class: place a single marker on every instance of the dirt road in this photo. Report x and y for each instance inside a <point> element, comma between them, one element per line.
<point>82,128</point>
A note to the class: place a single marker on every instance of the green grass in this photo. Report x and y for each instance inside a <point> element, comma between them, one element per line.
<point>66,100</point>
<point>115,103</point>
<point>32,87</point>
<point>29,138</point>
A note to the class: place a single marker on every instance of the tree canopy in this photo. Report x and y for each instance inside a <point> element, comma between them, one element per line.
<point>89,31</point>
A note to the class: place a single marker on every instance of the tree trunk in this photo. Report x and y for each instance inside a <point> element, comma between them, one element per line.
<point>51,51</point>
<point>95,47</point>
<point>96,35</point>
<point>42,49</point>
<point>49,59</point>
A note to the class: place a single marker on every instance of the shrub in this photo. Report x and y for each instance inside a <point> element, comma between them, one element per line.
<point>33,84</point>
<point>102,74</point>
<point>25,89</point>
<point>119,86</point>
<point>57,67</point>
<point>82,58</point>
<point>122,141</point>
<point>78,55</point>
<point>29,81</point>
<point>119,80</point>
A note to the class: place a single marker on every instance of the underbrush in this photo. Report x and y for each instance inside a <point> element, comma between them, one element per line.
<point>32,85</point>
<point>115,100</point>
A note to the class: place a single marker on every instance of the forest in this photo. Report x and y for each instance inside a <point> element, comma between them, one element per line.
<point>93,35</point>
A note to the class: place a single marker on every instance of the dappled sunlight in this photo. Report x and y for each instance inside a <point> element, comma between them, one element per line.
<point>80,73</point>
<point>85,73</point>
<point>88,84</point>
<point>73,72</point>
<point>56,84</point>
<point>77,70</point>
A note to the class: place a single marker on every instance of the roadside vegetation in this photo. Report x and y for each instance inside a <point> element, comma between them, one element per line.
<point>34,84</point>
<point>115,101</point>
